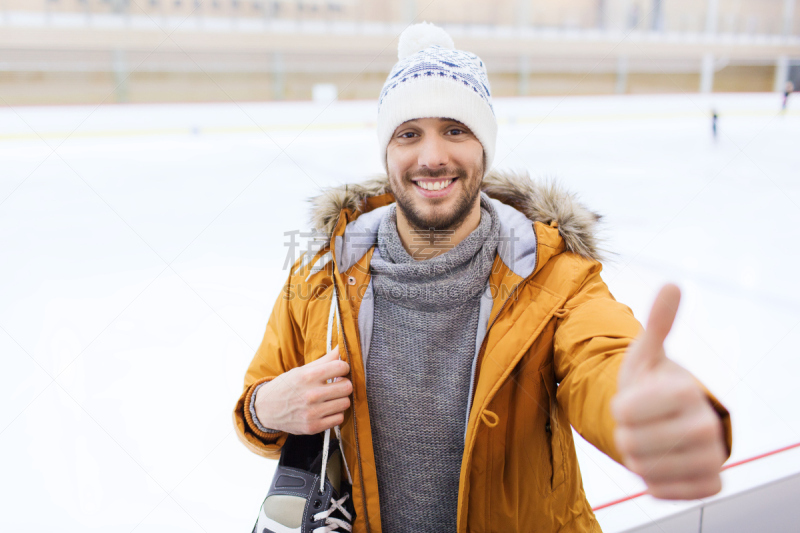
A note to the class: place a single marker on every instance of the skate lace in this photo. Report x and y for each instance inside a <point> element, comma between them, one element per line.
<point>337,523</point>
<point>334,524</point>
<point>333,318</point>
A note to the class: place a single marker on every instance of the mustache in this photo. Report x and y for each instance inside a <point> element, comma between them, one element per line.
<point>459,172</point>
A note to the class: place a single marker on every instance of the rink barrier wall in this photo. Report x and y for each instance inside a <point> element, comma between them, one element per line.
<point>726,467</point>
<point>369,125</point>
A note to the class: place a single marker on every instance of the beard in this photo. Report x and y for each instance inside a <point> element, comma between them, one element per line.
<point>442,218</point>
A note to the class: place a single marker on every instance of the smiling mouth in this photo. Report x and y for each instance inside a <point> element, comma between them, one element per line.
<point>434,184</point>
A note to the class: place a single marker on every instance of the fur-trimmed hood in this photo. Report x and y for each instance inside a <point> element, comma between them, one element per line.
<point>539,202</point>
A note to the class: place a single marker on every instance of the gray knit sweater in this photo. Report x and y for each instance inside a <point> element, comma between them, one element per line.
<point>418,371</point>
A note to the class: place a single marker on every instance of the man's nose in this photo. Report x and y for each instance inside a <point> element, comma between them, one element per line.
<point>433,153</point>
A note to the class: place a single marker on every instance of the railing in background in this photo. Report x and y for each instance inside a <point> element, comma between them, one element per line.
<point>92,51</point>
<point>728,17</point>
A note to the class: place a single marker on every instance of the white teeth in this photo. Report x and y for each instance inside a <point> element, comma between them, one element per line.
<point>434,185</point>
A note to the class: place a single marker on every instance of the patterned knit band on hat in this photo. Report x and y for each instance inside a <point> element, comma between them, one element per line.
<point>432,79</point>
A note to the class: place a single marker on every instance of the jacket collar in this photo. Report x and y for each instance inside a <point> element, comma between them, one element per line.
<point>355,210</point>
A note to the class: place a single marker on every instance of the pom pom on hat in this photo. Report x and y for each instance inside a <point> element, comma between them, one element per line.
<point>421,36</point>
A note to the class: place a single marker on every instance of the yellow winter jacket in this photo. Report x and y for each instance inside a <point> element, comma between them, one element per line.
<point>553,339</point>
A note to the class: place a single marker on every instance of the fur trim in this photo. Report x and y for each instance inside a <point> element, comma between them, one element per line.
<point>547,202</point>
<point>540,202</point>
<point>325,208</point>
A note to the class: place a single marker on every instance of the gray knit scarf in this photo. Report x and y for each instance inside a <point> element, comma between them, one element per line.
<point>447,280</point>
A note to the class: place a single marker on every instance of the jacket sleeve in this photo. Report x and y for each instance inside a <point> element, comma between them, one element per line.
<point>281,350</point>
<point>590,341</point>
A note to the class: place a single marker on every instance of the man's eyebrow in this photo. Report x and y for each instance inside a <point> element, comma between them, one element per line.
<point>459,124</point>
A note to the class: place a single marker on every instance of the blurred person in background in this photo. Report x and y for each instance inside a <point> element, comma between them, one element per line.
<point>787,90</point>
<point>455,325</point>
<point>714,119</point>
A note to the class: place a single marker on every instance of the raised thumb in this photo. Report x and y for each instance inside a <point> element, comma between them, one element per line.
<point>648,348</point>
<point>662,314</point>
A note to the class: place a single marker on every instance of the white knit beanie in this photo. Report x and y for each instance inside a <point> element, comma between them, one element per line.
<point>433,79</point>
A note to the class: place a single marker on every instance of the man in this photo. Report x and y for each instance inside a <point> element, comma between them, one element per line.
<point>473,329</point>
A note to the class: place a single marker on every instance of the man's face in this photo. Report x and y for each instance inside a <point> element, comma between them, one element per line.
<point>435,172</point>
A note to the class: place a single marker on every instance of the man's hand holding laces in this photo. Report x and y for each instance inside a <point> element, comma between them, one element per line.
<point>667,431</point>
<point>302,402</point>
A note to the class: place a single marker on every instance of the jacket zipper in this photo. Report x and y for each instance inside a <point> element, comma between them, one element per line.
<point>355,418</point>
<point>489,327</point>
<point>485,339</point>
<point>350,361</point>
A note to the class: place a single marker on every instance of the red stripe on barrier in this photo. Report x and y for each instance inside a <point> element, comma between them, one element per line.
<point>737,463</point>
<point>615,502</point>
<point>773,452</point>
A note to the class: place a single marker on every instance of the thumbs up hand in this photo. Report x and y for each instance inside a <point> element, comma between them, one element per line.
<point>667,432</point>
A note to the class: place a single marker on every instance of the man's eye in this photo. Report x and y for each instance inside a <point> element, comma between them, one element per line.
<point>455,129</point>
<point>403,135</point>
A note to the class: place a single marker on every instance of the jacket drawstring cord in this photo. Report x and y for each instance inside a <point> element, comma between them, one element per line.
<point>333,316</point>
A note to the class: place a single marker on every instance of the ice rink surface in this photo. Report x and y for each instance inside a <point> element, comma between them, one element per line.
<point>143,247</point>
